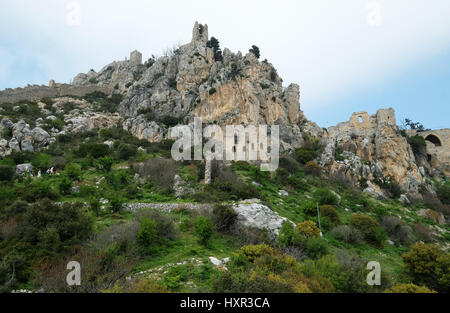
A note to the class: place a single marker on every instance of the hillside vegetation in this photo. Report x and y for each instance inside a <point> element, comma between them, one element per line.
<point>82,212</point>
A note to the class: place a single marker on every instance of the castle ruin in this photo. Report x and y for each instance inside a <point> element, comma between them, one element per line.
<point>136,58</point>
<point>200,33</point>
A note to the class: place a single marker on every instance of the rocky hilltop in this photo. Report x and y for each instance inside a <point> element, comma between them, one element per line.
<point>199,80</point>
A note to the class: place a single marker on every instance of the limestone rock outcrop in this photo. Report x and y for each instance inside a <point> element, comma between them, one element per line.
<point>372,148</point>
<point>251,213</point>
<point>234,90</point>
<point>117,76</point>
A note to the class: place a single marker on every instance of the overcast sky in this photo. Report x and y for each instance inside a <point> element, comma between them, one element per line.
<point>347,56</point>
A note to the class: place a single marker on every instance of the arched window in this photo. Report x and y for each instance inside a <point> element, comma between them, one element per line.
<point>360,119</point>
<point>434,139</point>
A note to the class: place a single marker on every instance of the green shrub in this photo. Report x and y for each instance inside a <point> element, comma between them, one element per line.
<point>22,157</point>
<point>7,173</point>
<point>223,217</point>
<point>304,155</point>
<point>369,227</point>
<point>161,171</point>
<point>409,288</point>
<point>57,123</point>
<point>42,161</point>
<point>39,189</point>
<point>65,185</point>
<point>6,133</point>
<point>147,234</point>
<point>391,186</point>
<point>282,175</point>
<point>73,171</point>
<point>330,212</point>
<point>203,229</point>
<point>253,252</point>
<point>397,230</point>
<point>443,192</point>
<point>289,164</point>
<point>115,202</point>
<point>316,248</point>
<point>18,207</point>
<point>94,205</point>
<point>97,150</point>
<point>309,208</point>
<point>66,221</point>
<point>428,264</point>
<point>308,229</point>
<point>312,168</point>
<point>347,234</point>
<point>325,196</point>
<point>288,236</point>
<point>126,151</point>
<point>212,91</point>
<point>104,164</point>
<point>298,183</point>
<point>418,144</point>
<point>172,82</point>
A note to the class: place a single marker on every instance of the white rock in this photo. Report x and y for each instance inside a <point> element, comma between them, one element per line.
<point>259,216</point>
<point>215,261</point>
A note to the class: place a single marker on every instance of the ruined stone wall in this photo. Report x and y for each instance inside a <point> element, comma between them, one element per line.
<point>438,148</point>
<point>36,92</point>
<point>363,124</point>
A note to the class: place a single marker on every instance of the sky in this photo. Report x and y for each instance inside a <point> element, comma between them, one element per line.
<point>347,56</point>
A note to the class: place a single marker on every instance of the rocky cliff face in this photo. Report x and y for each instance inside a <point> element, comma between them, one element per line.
<point>193,83</point>
<point>371,148</point>
<point>197,80</point>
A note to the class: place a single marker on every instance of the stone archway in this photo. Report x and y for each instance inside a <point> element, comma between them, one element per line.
<point>434,139</point>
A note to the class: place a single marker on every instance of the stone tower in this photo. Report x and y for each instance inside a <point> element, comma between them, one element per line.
<point>386,116</point>
<point>200,33</point>
<point>136,58</point>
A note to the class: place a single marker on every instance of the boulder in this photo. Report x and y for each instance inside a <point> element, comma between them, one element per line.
<point>4,148</point>
<point>24,168</point>
<point>253,214</point>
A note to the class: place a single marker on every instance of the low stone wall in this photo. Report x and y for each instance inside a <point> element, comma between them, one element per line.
<point>35,92</point>
<point>166,207</point>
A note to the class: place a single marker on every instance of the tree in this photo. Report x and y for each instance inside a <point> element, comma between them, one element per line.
<point>255,51</point>
<point>428,264</point>
<point>408,123</point>
<point>215,45</point>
